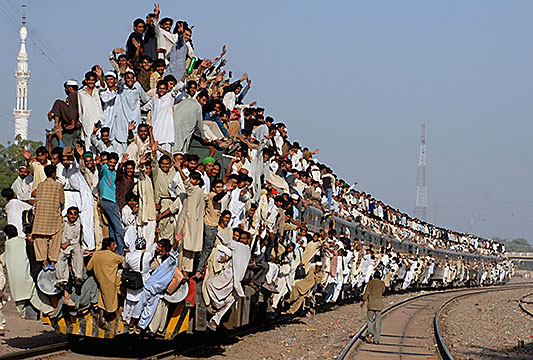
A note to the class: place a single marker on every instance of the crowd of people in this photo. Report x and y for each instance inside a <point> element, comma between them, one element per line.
<point>120,209</point>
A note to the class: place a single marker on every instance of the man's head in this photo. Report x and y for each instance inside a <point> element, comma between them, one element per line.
<point>23,172</point>
<point>162,88</point>
<point>238,89</point>
<point>129,168</point>
<point>56,155</point>
<point>160,66</point>
<point>192,87</point>
<point>192,161</point>
<point>225,218</point>
<point>146,62</point>
<point>233,181</point>
<point>132,200</point>
<point>109,243</point>
<point>10,231</point>
<point>163,247</point>
<point>103,157</point>
<point>90,79</point>
<point>139,25</point>
<point>88,157</point>
<point>202,98</point>
<point>112,160</point>
<point>150,19</point>
<point>171,81</point>
<point>187,33</point>
<point>110,79</point>
<point>73,213</point>
<point>8,194</point>
<point>104,135</point>
<point>253,209</point>
<point>142,131</point>
<point>41,155</point>
<point>245,237</point>
<point>166,24</point>
<point>164,163</point>
<point>122,60</point>
<point>217,186</point>
<point>129,78</point>
<point>216,169</point>
<point>70,86</point>
<point>196,179</point>
<point>236,233</point>
<point>50,171</point>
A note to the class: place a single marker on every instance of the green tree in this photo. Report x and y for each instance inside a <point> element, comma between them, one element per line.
<point>10,160</point>
<point>516,245</point>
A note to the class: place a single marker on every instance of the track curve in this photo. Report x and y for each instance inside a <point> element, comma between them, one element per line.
<point>406,327</point>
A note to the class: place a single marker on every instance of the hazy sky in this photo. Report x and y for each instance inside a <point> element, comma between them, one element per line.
<point>355,79</point>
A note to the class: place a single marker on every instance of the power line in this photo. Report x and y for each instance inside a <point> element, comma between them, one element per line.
<point>39,132</point>
<point>50,49</point>
<point>55,63</point>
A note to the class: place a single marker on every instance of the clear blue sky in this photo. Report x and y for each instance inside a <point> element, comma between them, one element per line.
<point>355,79</point>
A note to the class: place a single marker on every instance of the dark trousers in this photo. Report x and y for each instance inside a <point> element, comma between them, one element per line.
<point>112,211</point>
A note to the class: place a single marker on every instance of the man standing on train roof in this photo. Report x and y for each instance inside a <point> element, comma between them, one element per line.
<point>374,295</point>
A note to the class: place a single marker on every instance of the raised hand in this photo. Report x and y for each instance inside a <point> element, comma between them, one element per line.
<point>253,104</point>
<point>25,153</point>
<point>157,11</point>
<point>98,71</point>
<point>131,126</point>
<point>118,50</point>
<point>79,150</point>
<point>223,50</point>
<point>177,163</point>
<point>154,145</point>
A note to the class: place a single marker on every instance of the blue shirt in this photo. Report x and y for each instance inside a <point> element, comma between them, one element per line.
<point>108,187</point>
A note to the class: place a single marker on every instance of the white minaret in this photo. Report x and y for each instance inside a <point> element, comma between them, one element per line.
<point>21,111</point>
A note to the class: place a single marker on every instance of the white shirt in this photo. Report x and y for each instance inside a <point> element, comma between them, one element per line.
<point>236,206</point>
<point>89,108</point>
<point>22,187</point>
<point>14,209</point>
<point>163,114</point>
<point>108,98</point>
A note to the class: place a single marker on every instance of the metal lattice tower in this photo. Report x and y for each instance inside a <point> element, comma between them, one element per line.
<point>421,188</point>
<point>21,112</point>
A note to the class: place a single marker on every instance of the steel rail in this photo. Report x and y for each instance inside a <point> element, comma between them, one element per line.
<point>441,344</point>
<point>37,351</point>
<point>387,310</point>
<point>521,303</point>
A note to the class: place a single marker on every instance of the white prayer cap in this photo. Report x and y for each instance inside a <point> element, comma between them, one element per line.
<point>71,82</point>
<point>318,263</point>
<point>128,70</point>
<point>111,73</point>
<point>295,196</point>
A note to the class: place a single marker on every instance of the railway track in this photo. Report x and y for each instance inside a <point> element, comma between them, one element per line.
<point>197,343</point>
<point>526,306</point>
<point>405,334</point>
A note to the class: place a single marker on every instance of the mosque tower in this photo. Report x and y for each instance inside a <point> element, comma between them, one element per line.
<point>22,74</point>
